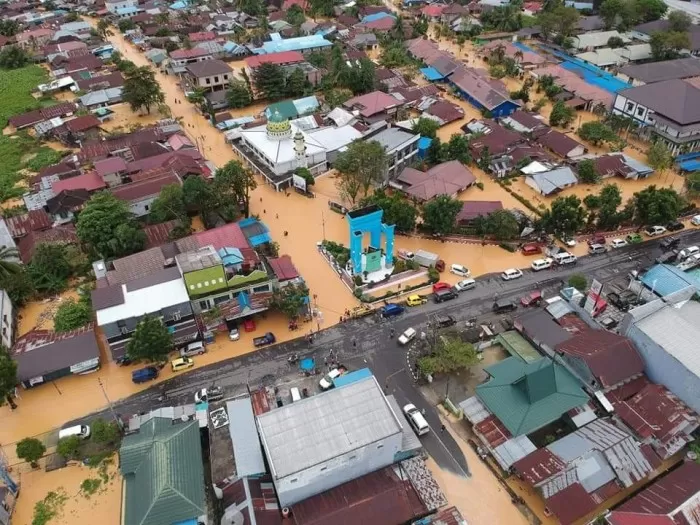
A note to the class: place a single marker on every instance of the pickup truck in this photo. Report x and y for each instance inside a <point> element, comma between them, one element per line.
<point>265,340</point>
<point>623,300</point>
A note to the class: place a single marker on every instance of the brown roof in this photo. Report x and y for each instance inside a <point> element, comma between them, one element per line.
<point>612,165</point>
<point>558,142</point>
<point>62,168</point>
<point>208,68</point>
<point>372,103</point>
<point>284,268</point>
<point>571,503</point>
<point>538,466</point>
<point>473,209</point>
<point>158,234</point>
<point>498,140</point>
<point>143,189</point>
<point>484,90</point>
<point>80,63</point>
<point>110,166</point>
<point>39,115</point>
<point>67,200</point>
<point>89,181</point>
<point>101,82</point>
<point>527,120</point>
<point>448,178</point>
<point>446,111</point>
<point>41,352</point>
<point>58,234</point>
<point>102,148</point>
<point>83,123</point>
<point>21,225</point>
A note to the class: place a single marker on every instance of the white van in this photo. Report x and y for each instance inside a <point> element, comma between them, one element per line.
<point>687,252</point>
<point>196,348</point>
<point>296,395</point>
<point>82,431</point>
<point>418,422</point>
<point>541,264</point>
<point>565,258</point>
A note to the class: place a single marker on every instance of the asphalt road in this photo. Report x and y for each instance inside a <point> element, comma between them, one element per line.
<point>367,343</point>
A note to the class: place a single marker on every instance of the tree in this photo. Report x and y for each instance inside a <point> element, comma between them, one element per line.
<point>13,57</point>
<point>440,214</point>
<point>609,201</point>
<point>169,205</point>
<point>436,152</point>
<point>650,10</point>
<point>565,217</point>
<point>295,15</point>
<point>108,228</point>
<point>69,447</point>
<point>502,224</point>
<point>297,84</point>
<point>597,133</point>
<point>103,30</point>
<point>666,45</point>
<point>151,341</point>
<point>233,184</point>
<point>561,20</point>
<point>50,268</point>
<point>9,27</point>
<point>395,55</point>
<point>18,286</point>
<point>360,78</point>
<point>269,80</point>
<point>8,377</point>
<point>197,195</point>
<point>615,42</point>
<point>426,127</point>
<point>251,7</point>
<point>578,281</point>
<point>656,206</point>
<point>9,262</point>
<point>587,172</point>
<point>142,90</point>
<point>503,18</point>
<point>305,174</point>
<point>450,354</point>
<point>561,115</point>
<point>335,97</point>
<point>104,432</point>
<point>30,449</point>
<point>679,21</point>
<point>659,157</point>
<point>397,210</point>
<point>126,25</point>
<point>238,95</point>
<point>361,165</point>
<point>71,315</point>
<point>458,149</point>
<point>290,299</point>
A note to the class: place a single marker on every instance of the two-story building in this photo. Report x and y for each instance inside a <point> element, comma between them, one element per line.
<point>401,148</point>
<point>209,75</point>
<point>113,6</point>
<point>181,58</point>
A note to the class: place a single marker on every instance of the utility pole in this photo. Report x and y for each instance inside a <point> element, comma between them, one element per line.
<point>323,223</point>
<point>118,421</point>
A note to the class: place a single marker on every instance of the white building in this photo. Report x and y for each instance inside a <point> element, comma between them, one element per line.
<point>120,4</point>
<point>329,439</point>
<point>8,320</point>
<point>401,148</point>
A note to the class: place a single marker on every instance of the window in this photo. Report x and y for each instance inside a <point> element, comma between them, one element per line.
<point>216,78</point>
<point>208,80</point>
<point>640,111</point>
<point>176,316</point>
<point>146,207</point>
<point>380,446</point>
<point>204,305</point>
<point>324,468</point>
<point>261,289</point>
<point>293,480</point>
<point>630,107</point>
<point>225,77</point>
<point>221,300</point>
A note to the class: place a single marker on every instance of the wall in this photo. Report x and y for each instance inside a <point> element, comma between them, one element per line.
<point>7,320</point>
<point>301,485</point>
<point>214,81</point>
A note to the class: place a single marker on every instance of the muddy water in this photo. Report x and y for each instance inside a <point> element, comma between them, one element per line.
<point>103,507</point>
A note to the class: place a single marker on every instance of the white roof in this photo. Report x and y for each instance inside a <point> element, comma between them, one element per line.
<point>340,116</point>
<point>535,167</point>
<point>144,301</point>
<point>279,151</point>
<point>335,138</point>
<point>247,452</point>
<point>635,52</point>
<point>596,39</point>
<point>322,427</point>
<point>603,56</point>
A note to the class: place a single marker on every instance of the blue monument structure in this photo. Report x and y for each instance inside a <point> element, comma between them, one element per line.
<point>369,220</point>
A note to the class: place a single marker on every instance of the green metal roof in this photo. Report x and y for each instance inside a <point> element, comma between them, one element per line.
<point>527,396</point>
<point>164,474</point>
<point>281,111</point>
<point>517,346</point>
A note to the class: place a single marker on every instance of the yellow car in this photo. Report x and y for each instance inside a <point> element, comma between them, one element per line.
<point>181,363</point>
<point>415,300</point>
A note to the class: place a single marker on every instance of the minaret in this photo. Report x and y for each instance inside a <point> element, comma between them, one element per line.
<point>300,150</point>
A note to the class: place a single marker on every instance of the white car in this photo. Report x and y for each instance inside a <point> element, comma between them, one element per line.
<point>687,252</point>
<point>511,273</point>
<point>407,336</point>
<point>460,270</point>
<point>327,381</point>
<point>415,417</point>
<point>465,284</point>
<point>695,221</point>
<point>618,243</point>
<point>570,242</point>
<point>653,231</point>
<point>234,334</point>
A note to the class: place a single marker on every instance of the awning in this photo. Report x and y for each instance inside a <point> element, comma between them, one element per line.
<point>575,102</point>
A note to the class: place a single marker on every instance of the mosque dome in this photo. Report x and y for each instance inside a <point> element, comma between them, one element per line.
<point>278,127</point>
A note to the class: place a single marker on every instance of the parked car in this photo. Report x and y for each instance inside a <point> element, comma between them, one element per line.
<point>460,270</point>
<point>695,221</point>
<point>444,295</point>
<point>596,239</point>
<point>504,305</point>
<point>416,419</point>
<point>391,310</point>
<point>541,264</point>
<point>181,363</point>
<point>594,249</point>
<point>511,273</point>
<point>327,381</point>
<point>196,348</point>
<point>234,334</point>
<point>675,226</point>
<point>144,374</point>
<point>408,336</point>
<point>406,255</point>
<point>443,321</point>
<point>532,299</point>
<point>465,284</point>
<point>618,243</point>
<point>653,231</point>
<point>563,258</point>
<point>207,395</point>
<point>415,300</point>
<point>667,257</point>
<point>633,238</point>
<point>570,242</point>
<point>531,249</point>
<point>687,252</point>
<point>669,243</point>
<point>441,286</point>
<point>264,340</point>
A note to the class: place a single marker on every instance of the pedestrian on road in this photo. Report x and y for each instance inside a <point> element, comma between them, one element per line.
<point>354,343</point>
<point>264,210</point>
<point>277,215</point>
<point>260,199</point>
<point>442,428</point>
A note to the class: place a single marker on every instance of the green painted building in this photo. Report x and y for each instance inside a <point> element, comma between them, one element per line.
<point>163,473</point>
<point>526,396</point>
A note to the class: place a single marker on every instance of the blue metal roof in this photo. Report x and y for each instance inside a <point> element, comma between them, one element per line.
<point>278,44</point>
<point>431,74</point>
<point>688,156</point>
<point>689,165</point>
<point>665,279</point>
<point>375,16</point>
<point>352,377</point>
<point>127,10</point>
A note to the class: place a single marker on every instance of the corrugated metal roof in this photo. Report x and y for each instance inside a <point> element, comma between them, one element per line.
<point>247,451</point>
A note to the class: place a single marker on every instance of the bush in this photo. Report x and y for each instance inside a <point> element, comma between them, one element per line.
<point>358,293</point>
<point>433,275</point>
<point>480,185</point>
<point>31,450</point>
<point>69,447</point>
<point>104,432</point>
<point>357,280</point>
<point>71,315</point>
<point>508,247</point>
<point>579,282</point>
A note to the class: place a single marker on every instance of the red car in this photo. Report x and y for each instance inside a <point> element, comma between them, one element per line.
<point>532,299</point>
<point>596,239</point>
<point>441,286</point>
<point>531,249</point>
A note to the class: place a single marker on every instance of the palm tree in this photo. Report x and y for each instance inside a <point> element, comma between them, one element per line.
<point>9,264</point>
<point>103,29</point>
<point>518,56</point>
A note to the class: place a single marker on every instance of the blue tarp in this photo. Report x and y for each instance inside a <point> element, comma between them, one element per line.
<point>690,165</point>
<point>423,146</point>
<point>431,74</point>
<point>688,156</point>
<point>590,73</point>
<point>352,377</point>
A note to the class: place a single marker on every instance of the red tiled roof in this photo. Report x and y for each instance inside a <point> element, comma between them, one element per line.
<point>473,209</point>
<point>179,54</point>
<point>493,431</point>
<point>158,234</point>
<point>611,358</point>
<point>202,36</point>
<point>59,110</point>
<point>227,236</point>
<point>498,140</point>
<point>383,24</point>
<point>157,161</point>
<point>448,178</point>
<point>634,518</point>
<point>89,181</point>
<point>284,57</point>
<point>665,495</point>
<point>627,390</point>
<point>39,115</point>
<point>570,504</point>
<point>284,268</point>
<point>135,191</point>
<point>21,225</point>
<point>433,10</point>
<point>101,148</point>
<point>372,103</point>
<point>538,466</point>
<point>57,234</point>
<point>179,141</point>
<point>83,123</point>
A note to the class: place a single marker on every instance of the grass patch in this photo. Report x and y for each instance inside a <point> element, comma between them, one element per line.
<point>44,156</point>
<point>50,507</point>
<point>89,487</point>
<point>12,150</point>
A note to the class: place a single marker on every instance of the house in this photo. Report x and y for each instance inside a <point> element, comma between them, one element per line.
<point>668,110</point>
<point>603,57</point>
<point>284,270</point>
<point>444,112</point>
<point>34,38</point>
<point>578,93</point>
<point>179,496</point>
<point>493,140</point>
<point>374,106</point>
<point>645,31</point>
<point>113,6</point>
<point>111,80</point>
<point>449,178</point>
<point>9,322</point>
<point>111,170</point>
<point>209,74</point>
<point>304,44</point>
<point>139,195</point>
<point>101,98</point>
<point>56,235</point>
<point>524,122</point>
<point>672,499</point>
<point>524,58</point>
<point>400,147</point>
<point>285,58</point>
<point>559,143</point>
<point>620,165</point>
<point>26,223</point>
<point>482,92</point>
<point>680,68</point>
<point>34,117</point>
<point>595,40</point>
<point>83,127</point>
<point>63,206</point>
<point>472,210</point>
<point>553,181</point>
<point>89,181</point>
<point>365,41</point>
<point>179,58</point>
<point>43,355</point>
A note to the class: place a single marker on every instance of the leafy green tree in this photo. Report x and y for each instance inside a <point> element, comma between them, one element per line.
<point>336,97</point>
<point>440,214</point>
<point>656,206</point>
<point>426,127</point>
<point>8,377</point>
<point>565,217</point>
<point>169,205</point>
<point>251,7</point>
<point>71,315</point>
<point>151,341</point>
<point>650,10</point>
<point>104,432</point>
<point>295,15</point>
<point>126,25</point>
<point>69,447</point>
<point>679,21</point>
<point>30,449</point>
<point>436,152</point>
<point>458,149</point>
<point>269,80</point>
<point>597,133</point>
<point>609,11</point>
<point>587,172</point>
<point>13,57</point>
<point>360,166</point>
<point>579,282</point>
<point>233,183</point>
<point>18,286</point>
<point>238,95</point>
<point>560,20</point>
<point>198,195</point>
<point>397,210</point>
<point>659,157</point>
<point>9,262</point>
<point>561,115</point>
<point>108,228</point>
<point>503,18</point>
<point>667,45</point>
<point>50,268</point>
<point>451,354</point>
<point>395,55</point>
<point>322,7</point>
<point>9,27</point>
<point>615,41</point>
<point>502,224</point>
<point>290,300</point>
<point>297,85</point>
<point>142,90</point>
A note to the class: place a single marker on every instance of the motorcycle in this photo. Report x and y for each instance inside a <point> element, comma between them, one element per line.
<point>293,359</point>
